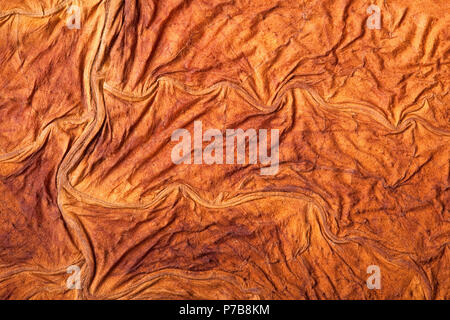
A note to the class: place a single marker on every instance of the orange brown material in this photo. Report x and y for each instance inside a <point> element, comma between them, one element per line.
<point>87,176</point>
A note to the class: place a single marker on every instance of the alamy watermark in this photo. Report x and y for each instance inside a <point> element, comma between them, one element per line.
<point>374,20</point>
<point>74,281</point>
<point>374,281</point>
<point>213,153</point>
<point>74,20</point>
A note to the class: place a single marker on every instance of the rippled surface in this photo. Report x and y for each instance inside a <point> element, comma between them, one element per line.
<point>87,179</point>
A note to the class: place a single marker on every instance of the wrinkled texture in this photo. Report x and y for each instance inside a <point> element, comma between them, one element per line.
<point>86,175</point>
